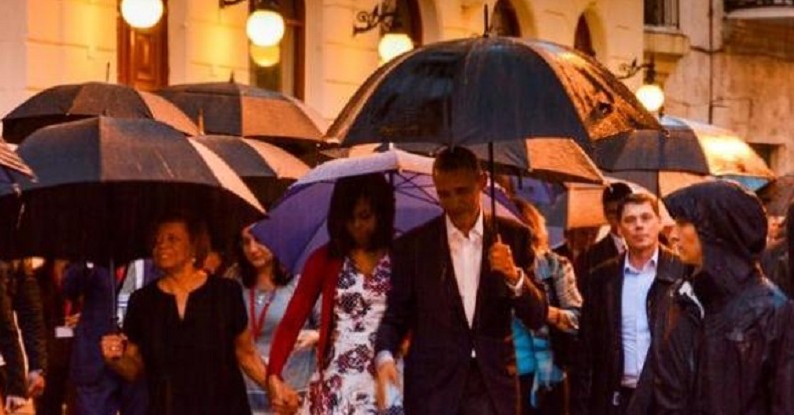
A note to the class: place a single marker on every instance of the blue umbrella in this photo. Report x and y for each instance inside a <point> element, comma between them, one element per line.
<point>296,225</point>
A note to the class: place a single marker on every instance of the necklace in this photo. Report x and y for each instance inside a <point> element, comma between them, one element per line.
<point>258,322</point>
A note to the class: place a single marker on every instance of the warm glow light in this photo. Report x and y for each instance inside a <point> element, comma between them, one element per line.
<point>651,96</point>
<point>141,14</point>
<point>394,44</point>
<point>265,56</point>
<point>265,27</point>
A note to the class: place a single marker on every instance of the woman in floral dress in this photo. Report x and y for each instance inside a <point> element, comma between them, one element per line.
<point>352,273</point>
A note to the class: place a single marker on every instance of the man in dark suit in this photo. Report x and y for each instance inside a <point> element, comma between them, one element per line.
<point>609,246</point>
<point>625,296</point>
<point>455,288</point>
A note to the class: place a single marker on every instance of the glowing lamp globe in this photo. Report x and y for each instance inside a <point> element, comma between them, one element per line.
<point>265,56</point>
<point>651,96</point>
<point>265,27</point>
<point>142,14</point>
<point>394,44</point>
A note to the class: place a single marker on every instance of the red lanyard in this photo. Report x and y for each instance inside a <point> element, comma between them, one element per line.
<point>258,323</point>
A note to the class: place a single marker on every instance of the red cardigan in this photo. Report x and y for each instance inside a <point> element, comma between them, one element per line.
<point>320,276</point>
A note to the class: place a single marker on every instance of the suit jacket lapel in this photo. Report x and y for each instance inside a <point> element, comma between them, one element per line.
<point>616,297</point>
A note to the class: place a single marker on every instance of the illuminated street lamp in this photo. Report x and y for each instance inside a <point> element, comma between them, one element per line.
<point>265,25</point>
<point>394,41</point>
<point>650,95</point>
<point>265,56</point>
<point>142,14</point>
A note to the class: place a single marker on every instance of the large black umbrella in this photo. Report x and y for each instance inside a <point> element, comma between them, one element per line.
<point>687,152</point>
<point>103,183</point>
<point>489,89</point>
<point>229,108</point>
<point>266,169</point>
<point>65,103</point>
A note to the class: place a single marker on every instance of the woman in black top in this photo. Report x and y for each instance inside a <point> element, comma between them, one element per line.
<point>187,332</point>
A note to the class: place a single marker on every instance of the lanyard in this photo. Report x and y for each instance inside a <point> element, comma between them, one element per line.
<point>258,322</point>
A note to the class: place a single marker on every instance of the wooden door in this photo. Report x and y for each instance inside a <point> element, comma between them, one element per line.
<point>143,54</point>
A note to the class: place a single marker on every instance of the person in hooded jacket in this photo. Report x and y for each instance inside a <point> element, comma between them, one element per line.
<point>728,336</point>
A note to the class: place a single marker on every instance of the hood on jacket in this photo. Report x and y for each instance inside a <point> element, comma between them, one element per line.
<point>732,226</point>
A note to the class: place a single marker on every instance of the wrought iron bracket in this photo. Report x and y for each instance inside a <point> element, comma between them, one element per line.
<point>366,21</point>
<point>629,70</point>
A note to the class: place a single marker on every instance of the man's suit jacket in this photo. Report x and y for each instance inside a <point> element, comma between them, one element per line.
<point>598,391</point>
<point>597,254</point>
<point>425,301</point>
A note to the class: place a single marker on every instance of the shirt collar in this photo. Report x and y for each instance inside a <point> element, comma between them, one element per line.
<point>651,263</point>
<point>474,234</point>
<point>620,243</point>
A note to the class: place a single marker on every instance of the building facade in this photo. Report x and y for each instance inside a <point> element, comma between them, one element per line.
<point>49,42</point>
<point>738,72</point>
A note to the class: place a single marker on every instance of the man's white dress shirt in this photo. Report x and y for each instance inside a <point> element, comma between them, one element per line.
<point>635,332</point>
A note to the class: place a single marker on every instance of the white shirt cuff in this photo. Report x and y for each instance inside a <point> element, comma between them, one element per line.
<point>518,288</point>
<point>384,356</point>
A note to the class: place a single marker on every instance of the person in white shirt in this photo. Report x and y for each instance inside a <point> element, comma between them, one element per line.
<point>618,313</point>
<point>456,286</point>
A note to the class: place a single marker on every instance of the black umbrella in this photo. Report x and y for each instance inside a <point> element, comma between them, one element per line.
<point>489,89</point>
<point>103,183</point>
<point>266,169</point>
<point>229,108</point>
<point>65,103</point>
<point>687,152</point>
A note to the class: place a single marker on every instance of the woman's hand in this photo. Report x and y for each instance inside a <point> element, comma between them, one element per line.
<point>307,339</point>
<point>283,399</point>
<point>113,346</point>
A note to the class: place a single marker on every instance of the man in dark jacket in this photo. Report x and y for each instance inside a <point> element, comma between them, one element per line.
<point>609,246</point>
<point>728,344</point>
<point>618,317</point>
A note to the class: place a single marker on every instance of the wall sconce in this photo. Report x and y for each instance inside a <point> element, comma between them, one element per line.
<point>394,41</point>
<point>265,25</point>
<point>142,14</point>
<point>650,94</point>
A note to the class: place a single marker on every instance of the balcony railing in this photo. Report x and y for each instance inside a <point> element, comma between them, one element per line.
<point>662,13</point>
<point>732,5</point>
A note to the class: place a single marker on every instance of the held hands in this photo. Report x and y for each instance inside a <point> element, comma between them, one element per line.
<point>307,339</point>
<point>113,346</point>
<point>501,259</point>
<point>283,399</point>
<point>36,384</point>
<point>387,374</point>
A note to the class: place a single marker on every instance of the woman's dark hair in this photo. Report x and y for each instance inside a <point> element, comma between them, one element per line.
<point>197,232</point>
<point>247,271</point>
<point>347,192</point>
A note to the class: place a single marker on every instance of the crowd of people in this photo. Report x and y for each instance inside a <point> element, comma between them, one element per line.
<point>466,314</point>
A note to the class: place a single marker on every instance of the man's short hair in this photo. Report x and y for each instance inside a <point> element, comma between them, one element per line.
<point>615,192</point>
<point>639,199</point>
<point>456,158</point>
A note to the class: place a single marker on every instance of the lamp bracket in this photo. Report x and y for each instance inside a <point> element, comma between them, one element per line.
<point>367,21</point>
<point>629,70</point>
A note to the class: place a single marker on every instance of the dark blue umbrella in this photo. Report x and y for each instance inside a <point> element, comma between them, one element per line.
<point>296,225</point>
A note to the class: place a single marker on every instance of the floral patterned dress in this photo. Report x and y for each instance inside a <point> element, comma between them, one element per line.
<point>347,385</point>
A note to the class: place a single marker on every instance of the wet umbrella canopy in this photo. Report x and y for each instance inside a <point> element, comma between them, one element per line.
<point>73,102</point>
<point>103,183</point>
<point>682,155</point>
<point>491,89</point>
<point>229,108</point>
<point>266,169</point>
